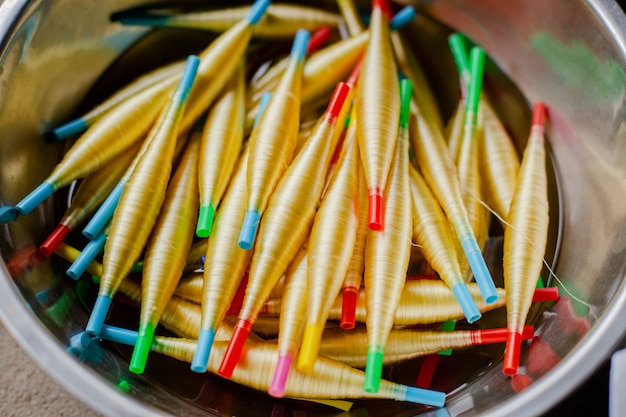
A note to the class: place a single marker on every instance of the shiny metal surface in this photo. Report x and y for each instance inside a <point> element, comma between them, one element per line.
<point>568,53</point>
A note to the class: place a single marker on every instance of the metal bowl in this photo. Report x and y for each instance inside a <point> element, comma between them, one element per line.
<point>568,53</point>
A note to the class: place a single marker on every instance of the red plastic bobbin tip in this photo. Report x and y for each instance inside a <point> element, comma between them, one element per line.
<point>384,7</point>
<point>348,308</point>
<point>528,332</point>
<point>234,349</point>
<point>498,335</point>
<point>511,353</point>
<point>52,241</point>
<point>539,114</point>
<point>545,294</point>
<point>375,221</point>
<point>337,100</point>
<point>317,39</point>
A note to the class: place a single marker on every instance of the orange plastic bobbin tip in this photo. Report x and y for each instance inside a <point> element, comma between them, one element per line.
<point>348,308</point>
<point>234,349</point>
<point>52,242</point>
<point>511,353</point>
<point>539,114</point>
<point>375,221</point>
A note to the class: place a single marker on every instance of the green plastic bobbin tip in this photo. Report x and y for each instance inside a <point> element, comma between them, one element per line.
<point>142,348</point>
<point>458,47</point>
<point>124,385</point>
<point>205,221</point>
<point>406,89</point>
<point>477,61</point>
<point>373,370</point>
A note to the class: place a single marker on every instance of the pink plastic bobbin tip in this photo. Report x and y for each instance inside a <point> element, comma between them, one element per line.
<point>277,388</point>
<point>348,308</point>
<point>234,349</point>
<point>52,241</point>
<point>511,353</point>
<point>375,220</point>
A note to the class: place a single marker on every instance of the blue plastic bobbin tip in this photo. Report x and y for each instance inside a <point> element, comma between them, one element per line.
<point>89,253</point>
<point>36,197</point>
<point>265,99</point>
<point>425,396</point>
<point>8,214</point>
<point>258,9</point>
<point>200,360</point>
<point>300,44</point>
<point>402,18</point>
<point>71,128</point>
<point>98,314</point>
<point>248,229</point>
<point>118,335</point>
<point>482,276</point>
<point>141,20</point>
<point>463,296</point>
<point>102,216</point>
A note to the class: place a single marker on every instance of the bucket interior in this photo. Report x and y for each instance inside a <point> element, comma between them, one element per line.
<point>53,69</point>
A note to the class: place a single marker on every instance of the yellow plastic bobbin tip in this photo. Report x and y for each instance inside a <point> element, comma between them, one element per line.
<point>310,347</point>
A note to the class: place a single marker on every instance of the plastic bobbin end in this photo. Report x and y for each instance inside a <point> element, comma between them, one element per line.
<point>206,216</point>
<point>156,21</point>
<point>463,296</point>
<point>402,18</point>
<point>118,335</point>
<point>373,370</point>
<point>257,11</point>
<point>425,396</point>
<point>511,353</point>
<point>528,332</point>
<point>249,229</point>
<point>299,46</point>
<point>8,214</point>
<point>542,295</point>
<point>36,197</point>
<point>482,276</point>
<point>71,128</point>
<point>348,307</point>
<point>277,387</point>
<point>234,349</point>
<point>145,335</point>
<point>87,256</point>
<point>376,207</point>
<point>318,38</point>
<point>337,101</point>
<point>98,314</point>
<point>102,216</point>
<point>310,347</point>
<point>200,360</point>
<point>53,240</point>
<point>539,114</point>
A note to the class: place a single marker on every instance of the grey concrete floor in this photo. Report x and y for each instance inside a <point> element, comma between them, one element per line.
<point>27,391</point>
